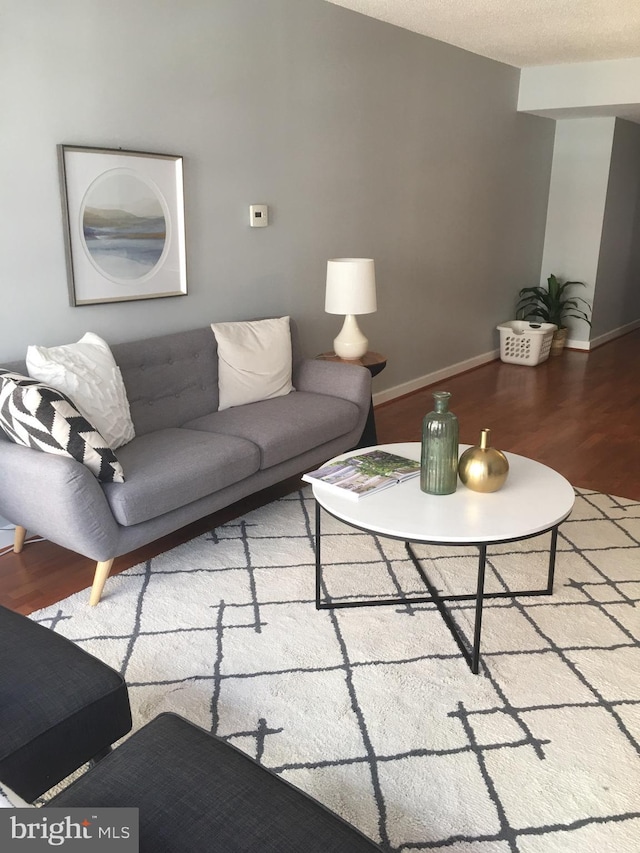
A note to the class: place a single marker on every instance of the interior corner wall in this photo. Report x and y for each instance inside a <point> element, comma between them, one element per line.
<point>577,200</point>
<point>365,140</point>
<point>617,297</point>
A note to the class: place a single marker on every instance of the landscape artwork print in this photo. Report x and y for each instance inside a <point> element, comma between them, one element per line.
<point>125,224</point>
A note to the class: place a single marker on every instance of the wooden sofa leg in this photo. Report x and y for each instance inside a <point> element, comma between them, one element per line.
<point>99,580</point>
<point>18,539</point>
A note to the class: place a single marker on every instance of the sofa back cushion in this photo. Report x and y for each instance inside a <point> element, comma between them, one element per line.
<point>169,379</point>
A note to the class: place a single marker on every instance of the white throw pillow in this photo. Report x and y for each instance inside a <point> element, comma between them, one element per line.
<point>254,361</point>
<point>88,374</point>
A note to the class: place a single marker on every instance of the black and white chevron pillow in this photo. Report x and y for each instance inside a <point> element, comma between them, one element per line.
<point>38,416</point>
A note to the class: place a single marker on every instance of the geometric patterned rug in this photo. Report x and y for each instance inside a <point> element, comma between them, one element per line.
<point>373,710</point>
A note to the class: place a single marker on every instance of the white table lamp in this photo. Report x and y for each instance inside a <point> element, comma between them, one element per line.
<point>351,290</point>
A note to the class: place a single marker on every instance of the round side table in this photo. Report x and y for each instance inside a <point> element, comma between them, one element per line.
<point>375,364</point>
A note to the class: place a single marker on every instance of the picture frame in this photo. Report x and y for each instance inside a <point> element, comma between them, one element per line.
<point>124,224</point>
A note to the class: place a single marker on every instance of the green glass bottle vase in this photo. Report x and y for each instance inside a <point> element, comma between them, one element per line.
<point>439,458</point>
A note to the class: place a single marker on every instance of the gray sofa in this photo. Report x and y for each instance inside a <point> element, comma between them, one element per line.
<point>188,459</point>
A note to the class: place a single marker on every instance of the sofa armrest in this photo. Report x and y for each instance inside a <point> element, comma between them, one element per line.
<point>58,498</point>
<point>349,381</point>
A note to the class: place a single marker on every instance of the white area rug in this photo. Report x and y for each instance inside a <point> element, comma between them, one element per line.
<point>373,710</point>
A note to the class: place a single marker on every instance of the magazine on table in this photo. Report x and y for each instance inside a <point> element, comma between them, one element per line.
<point>364,473</point>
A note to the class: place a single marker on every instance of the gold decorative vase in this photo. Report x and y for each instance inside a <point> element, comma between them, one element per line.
<point>483,468</point>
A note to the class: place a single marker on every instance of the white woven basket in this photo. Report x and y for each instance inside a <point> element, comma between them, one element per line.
<point>522,342</point>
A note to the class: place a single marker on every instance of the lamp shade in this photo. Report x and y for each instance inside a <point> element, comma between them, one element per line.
<point>351,286</point>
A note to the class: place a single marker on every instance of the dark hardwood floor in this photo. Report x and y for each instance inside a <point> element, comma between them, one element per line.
<point>578,413</point>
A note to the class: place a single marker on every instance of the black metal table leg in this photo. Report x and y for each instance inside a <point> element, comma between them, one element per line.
<point>470,653</point>
<point>552,560</point>
<point>477,629</point>
<point>318,561</point>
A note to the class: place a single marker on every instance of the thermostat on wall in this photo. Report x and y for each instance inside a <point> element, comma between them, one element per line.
<point>258,215</point>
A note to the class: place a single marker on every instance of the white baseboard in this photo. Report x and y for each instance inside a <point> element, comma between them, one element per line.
<point>616,333</point>
<point>581,345</point>
<point>477,361</point>
<point>430,378</point>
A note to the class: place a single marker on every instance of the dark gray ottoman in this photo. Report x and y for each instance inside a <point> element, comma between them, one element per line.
<point>59,706</point>
<point>198,794</point>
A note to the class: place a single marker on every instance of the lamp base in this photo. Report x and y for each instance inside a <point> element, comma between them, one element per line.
<point>350,343</point>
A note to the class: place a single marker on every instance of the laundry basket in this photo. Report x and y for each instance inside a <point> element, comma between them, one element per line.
<point>522,342</point>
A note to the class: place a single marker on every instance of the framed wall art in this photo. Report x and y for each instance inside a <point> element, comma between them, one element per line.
<point>124,218</point>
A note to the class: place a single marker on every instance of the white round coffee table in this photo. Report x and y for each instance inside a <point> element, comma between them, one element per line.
<point>535,499</point>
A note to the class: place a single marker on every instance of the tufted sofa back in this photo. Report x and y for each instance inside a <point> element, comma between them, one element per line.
<point>171,379</point>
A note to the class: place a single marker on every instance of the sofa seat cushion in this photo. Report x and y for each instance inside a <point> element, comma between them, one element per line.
<point>171,468</point>
<point>284,427</point>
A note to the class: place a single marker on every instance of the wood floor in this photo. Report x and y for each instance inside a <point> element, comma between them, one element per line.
<point>578,413</point>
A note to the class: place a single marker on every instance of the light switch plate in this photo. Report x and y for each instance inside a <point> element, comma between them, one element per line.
<point>258,215</point>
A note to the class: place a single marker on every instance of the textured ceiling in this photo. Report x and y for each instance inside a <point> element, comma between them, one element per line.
<point>519,32</point>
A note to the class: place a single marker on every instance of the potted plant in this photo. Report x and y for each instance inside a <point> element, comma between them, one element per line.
<point>553,304</point>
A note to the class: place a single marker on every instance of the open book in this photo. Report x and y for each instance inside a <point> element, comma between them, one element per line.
<point>364,473</point>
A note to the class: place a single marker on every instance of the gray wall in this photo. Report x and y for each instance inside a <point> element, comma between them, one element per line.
<point>365,140</point>
<point>617,297</point>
